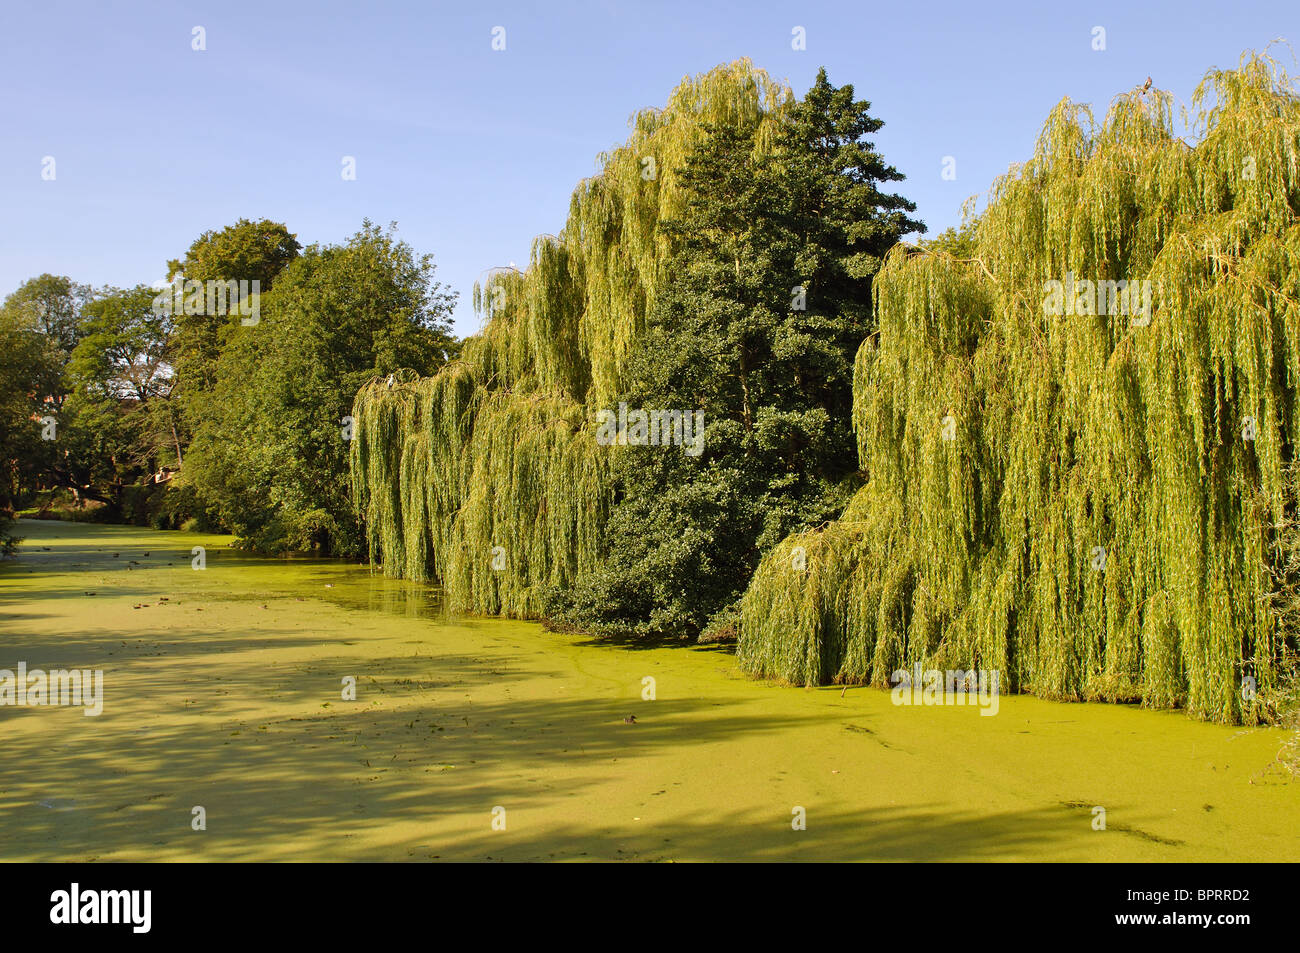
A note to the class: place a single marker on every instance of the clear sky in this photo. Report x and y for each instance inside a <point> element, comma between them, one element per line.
<point>474,151</point>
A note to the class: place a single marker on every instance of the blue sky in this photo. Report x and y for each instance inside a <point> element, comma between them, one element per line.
<point>472,151</point>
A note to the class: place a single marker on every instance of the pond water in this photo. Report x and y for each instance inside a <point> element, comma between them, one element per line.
<point>484,739</point>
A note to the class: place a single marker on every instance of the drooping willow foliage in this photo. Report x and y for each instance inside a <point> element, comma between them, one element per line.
<point>1093,504</point>
<point>487,477</point>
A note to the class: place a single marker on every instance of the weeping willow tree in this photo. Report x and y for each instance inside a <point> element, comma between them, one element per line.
<point>486,478</point>
<point>1079,483</point>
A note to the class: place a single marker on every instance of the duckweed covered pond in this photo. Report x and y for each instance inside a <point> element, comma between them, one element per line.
<point>223,690</point>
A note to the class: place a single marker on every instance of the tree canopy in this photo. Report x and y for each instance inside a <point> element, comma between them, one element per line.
<point>270,449</point>
<point>1096,499</point>
<point>761,308</point>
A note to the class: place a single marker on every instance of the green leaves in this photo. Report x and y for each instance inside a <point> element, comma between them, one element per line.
<point>1099,506</point>
<point>755,323</point>
<point>269,453</point>
<point>246,251</point>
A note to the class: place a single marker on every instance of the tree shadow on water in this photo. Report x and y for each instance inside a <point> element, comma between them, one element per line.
<point>301,786</point>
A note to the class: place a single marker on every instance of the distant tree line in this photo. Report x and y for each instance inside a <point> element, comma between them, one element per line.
<point>117,405</point>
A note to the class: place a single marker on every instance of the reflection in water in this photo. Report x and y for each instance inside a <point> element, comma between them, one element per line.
<point>356,587</point>
<point>335,581</point>
<point>396,597</point>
